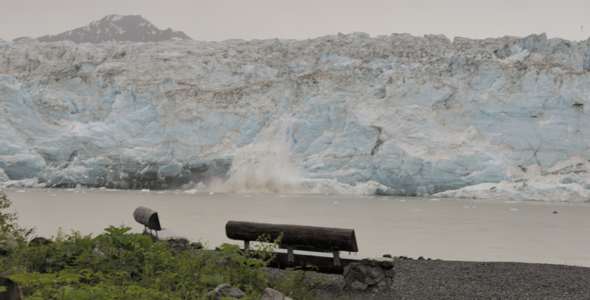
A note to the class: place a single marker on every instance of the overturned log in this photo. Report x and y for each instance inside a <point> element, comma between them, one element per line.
<point>297,237</point>
<point>147,217</point>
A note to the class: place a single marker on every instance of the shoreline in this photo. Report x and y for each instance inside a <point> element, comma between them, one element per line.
<point>249,273</point>
<point>449,229</point>
<point>444,196</point>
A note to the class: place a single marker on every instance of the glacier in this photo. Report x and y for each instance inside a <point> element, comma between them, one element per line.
<point>393,115</point>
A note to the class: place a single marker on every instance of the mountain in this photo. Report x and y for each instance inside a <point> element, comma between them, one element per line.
<point>131,28</point>
<point>506,117</point>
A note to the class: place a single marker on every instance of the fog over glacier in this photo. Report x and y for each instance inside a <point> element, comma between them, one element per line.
<point>397,114</point>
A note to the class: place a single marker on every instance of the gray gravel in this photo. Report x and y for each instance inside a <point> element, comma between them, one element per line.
<point>435,279</point>
<point>478,280</point>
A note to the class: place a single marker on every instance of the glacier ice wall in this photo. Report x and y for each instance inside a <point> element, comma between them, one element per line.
<point>417,115</point>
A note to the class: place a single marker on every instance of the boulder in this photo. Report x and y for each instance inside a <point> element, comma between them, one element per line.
<point>225,291</point>
<point>368,274</point>
<point>272,294</point>
<point>178,244</point>
<point>181,244</point>
<point>196,246</point>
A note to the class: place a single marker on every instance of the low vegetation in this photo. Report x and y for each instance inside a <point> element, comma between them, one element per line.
<point>10,233</point>
<point>119,264</point>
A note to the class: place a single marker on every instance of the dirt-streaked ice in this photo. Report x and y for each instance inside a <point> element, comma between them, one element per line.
<point>408,115</point>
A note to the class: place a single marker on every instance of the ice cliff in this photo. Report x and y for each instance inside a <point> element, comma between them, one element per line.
<point>407,115</point>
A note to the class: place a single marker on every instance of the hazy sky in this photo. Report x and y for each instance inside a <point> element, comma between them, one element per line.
<point>224,19</point>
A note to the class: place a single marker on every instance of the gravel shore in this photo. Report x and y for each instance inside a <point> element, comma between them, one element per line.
<point>479,280</point>
<point>436,279</point>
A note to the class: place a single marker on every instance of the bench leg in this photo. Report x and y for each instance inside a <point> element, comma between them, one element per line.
<point>337,261</point>
<point>246,245</point>
<point>290,256</point>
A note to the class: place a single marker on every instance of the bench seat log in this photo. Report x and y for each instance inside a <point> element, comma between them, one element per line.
<point>296,237</point>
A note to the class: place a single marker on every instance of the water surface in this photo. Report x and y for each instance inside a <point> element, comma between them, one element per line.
<point>445,228</point>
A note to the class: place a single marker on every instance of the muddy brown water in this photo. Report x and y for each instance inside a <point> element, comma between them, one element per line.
<point>436,228</point>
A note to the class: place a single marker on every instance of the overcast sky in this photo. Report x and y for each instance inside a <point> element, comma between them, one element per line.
<point>224,19</point>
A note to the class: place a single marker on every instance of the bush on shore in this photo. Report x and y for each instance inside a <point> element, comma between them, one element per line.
<point>121,265</point>
<point>11,234</point>
<point>118,264</point>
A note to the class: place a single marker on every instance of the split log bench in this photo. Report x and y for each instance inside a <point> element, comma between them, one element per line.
<point>297,237</point>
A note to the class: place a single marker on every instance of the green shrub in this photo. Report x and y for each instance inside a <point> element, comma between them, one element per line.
<point>122,265</point>
<point>10,233</point>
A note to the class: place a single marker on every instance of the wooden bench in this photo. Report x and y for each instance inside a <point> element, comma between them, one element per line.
<point>296,237</point>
